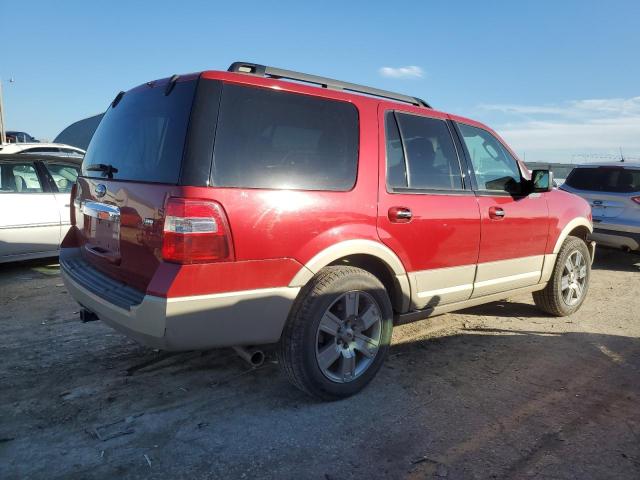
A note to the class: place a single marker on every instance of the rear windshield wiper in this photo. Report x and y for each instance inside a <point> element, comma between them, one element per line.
<point>108,170</point>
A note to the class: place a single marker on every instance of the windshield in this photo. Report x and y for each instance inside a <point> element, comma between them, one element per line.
<point>143,136</point>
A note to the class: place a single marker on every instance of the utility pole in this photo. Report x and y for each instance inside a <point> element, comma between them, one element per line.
<point>3,126</point>
<point>3,136</point>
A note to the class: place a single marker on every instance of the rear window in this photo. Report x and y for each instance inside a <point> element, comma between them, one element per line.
<point>143,136</point>
<point>605,179</point>
<point>271,139</point>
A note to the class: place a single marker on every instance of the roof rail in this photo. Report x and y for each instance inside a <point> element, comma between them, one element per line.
<point>265,71</point>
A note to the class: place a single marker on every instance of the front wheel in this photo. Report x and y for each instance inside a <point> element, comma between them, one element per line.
<point>569,282</point>
<point>337,334</point>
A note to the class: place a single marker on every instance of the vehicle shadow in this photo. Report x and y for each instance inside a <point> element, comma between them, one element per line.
<point>504,309</point>
<point>11,268</point>
<point>27,271</point>
<point>616,260</point>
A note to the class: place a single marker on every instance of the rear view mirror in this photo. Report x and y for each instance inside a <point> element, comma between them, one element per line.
<point>541,181</point>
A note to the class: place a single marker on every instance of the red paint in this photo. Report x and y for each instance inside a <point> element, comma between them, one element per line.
<point>564,207</point>
<point>522,232</point>
<point>275,232</point>
<point>444,230</point>
<point>172,280</point>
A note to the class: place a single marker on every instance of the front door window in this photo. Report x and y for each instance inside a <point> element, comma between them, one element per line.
<point>495,169</point>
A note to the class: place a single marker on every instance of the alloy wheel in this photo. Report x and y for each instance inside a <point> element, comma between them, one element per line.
<point>348,336</point>
<point>574,278</point>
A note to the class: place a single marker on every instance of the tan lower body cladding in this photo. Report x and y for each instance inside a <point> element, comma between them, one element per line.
<point>441,286</point>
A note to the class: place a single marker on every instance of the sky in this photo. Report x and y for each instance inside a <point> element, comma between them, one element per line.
<point>559,80</point>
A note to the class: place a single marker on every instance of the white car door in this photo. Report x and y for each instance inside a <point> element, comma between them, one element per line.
<point>64,176</point>
<point>29,215</point>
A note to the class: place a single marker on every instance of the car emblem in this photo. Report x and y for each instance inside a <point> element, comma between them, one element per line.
<point>100,190</point>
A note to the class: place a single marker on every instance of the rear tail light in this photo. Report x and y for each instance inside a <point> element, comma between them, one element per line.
<point>636,199</point>
<point>195,231</point>
<point>72,203</point>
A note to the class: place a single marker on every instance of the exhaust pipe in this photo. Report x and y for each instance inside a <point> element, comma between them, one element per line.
<point>253,356</point>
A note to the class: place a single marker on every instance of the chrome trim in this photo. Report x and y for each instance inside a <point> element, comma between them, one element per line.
<point>441,285</point>
<point>444,291</point>
<point>511,278</point>
<point>30,225</point>
<point>100,190</point>
<point>429,311</point>
<point>93,209</point>
<point>404,214</point>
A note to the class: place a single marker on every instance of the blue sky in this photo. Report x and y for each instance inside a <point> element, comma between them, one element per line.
<point>558,80</point>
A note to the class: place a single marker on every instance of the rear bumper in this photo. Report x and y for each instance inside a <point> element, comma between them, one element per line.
<point>250,317</point>
<point>616,238</point>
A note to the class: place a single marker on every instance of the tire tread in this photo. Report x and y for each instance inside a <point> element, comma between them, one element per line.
<point>291,345</point>
<point>549,299</point>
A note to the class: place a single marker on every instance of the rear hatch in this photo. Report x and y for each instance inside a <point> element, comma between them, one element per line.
<point>132,165</point>
<point>608,189</point>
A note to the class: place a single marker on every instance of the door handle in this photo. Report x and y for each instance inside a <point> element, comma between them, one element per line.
<point>400,215</point>
<point>496,213</point>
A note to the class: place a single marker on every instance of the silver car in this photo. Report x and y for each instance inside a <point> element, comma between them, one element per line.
<point>35,191</point>
<point>613,191</point>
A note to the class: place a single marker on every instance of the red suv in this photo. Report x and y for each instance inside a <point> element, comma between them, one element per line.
<point>238,209</point>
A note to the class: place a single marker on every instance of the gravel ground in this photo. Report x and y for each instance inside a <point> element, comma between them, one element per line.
<point>497,391</point>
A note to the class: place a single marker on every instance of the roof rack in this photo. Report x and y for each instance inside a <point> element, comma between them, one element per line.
<point>265,71</point>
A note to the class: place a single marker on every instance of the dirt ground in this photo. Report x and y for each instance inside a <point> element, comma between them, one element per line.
<point>498,391</point>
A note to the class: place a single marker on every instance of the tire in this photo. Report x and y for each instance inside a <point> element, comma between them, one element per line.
<point>322,325</point>
<point>557,299</point>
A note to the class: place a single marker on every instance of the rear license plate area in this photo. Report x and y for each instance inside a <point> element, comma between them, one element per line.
<point>104,236</point>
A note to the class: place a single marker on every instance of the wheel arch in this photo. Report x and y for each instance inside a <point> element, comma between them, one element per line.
<point>374,257</point>
<point>578,227</point>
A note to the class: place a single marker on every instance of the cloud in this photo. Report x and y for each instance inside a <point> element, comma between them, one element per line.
<point>567,130</point>
<point>573,109</point>
<point>607,134</point>
<point>411,71</point>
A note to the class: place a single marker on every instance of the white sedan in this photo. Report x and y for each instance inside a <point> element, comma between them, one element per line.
<point>57,149</point>
<point>34,204</point>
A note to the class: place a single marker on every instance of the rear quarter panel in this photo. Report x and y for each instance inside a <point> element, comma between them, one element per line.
<point>275,232</point>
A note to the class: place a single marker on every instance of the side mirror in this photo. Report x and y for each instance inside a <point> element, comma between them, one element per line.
<point>541,181</point>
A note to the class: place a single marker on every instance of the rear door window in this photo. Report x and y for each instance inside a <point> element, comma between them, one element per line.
<point>19,178</point>
<point>271,139</point>
<point>143,136</point>
<point>605,179</point>
<point>63,175</point>
<point>431,161</point>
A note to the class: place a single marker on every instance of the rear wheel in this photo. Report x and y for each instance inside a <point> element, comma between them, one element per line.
<point>569,282</point>
<point>337,334</point>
